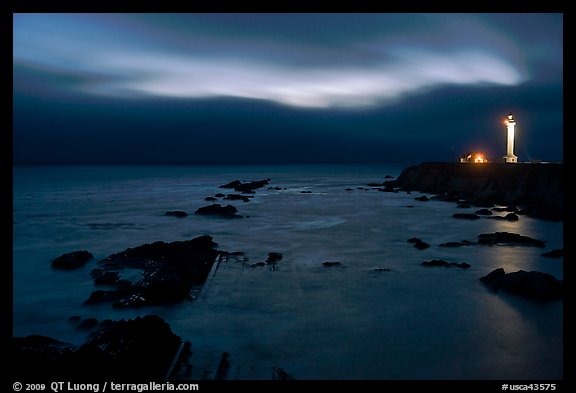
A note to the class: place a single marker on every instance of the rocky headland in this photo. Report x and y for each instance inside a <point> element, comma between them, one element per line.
<point>537,188</point>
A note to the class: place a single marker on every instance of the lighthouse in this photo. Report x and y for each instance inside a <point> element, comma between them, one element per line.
<point>510,123</point>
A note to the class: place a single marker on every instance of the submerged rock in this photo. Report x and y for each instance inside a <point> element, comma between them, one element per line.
<point>330,264</point>
<point>210,199</point>
<point>532,285</point>
<point>72,260</point>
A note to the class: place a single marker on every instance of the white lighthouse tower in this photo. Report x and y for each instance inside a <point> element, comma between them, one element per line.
<point>510,157</point>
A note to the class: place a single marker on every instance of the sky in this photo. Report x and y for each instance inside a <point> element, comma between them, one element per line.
<point>284,88</point>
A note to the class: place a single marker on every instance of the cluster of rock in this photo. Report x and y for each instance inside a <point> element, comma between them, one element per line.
<point>169,271</point>
<point>137,348</point>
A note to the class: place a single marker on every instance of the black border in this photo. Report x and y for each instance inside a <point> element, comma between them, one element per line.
<point>550,6</point>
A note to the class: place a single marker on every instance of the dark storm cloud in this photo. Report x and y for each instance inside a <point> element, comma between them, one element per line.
<point>139,87</point>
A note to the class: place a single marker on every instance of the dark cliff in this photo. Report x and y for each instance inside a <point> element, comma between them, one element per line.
<point>537,188</point>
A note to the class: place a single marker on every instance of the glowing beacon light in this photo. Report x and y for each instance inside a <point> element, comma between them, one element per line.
<point>479,159</point>
<point>510,123</point>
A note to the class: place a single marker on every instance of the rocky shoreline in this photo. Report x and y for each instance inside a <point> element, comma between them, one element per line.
<point>537,188</point>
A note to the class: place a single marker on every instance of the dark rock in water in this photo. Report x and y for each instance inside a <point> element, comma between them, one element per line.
<point>216,209</point>
<point>276,188</point>
<point>483,212</point>
<point>435,262</point>
<point>418,243</point>
<point>421,245</point>
<point>558,253</point>
<point>466,216</point>
<point>456,244</point>
<point>509,239</point>
<point>375,184</point>
<point>511,217</point>
<point>169,271</point>
<point>532,285</point>
<point>273,257</point>
<point>219,195</point>
<point>443,263</point>
<point>88,323</point>
<point>103,277</point>
<point>211,199</point>
<point>388,177</point>
<point>330,264</point>
<point>251,186</point>
<point>305,192</point>
<point>463,206</point>
<point>144,346</point>
<point>237,197</point>
<point>177,213</point>
<point>349,189</point>
<point>422,198</point>
<point>232,184</point>
<point>72,260</point>
<point>258,264</point>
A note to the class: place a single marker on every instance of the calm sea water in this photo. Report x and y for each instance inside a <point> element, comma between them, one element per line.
<point>347,322</point>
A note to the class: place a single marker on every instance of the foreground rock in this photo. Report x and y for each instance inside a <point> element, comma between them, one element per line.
<point>72,260</point>
<point>218,210</point>
<point>142,347</point>
<point>331,264</point>
<point>508,239</point>
<point>169,272</point>
<point>532,285</point>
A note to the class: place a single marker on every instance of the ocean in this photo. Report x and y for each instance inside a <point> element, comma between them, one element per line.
<point>350,321</point>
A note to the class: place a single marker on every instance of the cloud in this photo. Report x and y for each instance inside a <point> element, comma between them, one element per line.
<point>114,59</point>
<point>411,71</point>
